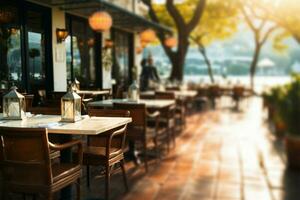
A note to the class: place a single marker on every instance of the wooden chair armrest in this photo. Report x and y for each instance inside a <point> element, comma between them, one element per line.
<point>59,147</point>
<point>87,100</point>
<point>155,114</point>
<point>114,134</point>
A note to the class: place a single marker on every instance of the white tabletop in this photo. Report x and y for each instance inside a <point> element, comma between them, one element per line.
<point>86,126</point>
<point>150,103</point>
<point>93,92</point>
<point>178,93</point>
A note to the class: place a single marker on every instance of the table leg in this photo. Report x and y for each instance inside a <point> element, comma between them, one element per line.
<point>66,157</point>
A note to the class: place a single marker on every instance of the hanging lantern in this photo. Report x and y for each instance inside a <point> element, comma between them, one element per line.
<point>71,106</point>
<point>148,36</point>
<point>171,42</point>
<point>13,105</point>
<point>139,50</point>
<point>6,15</point>
<point>100,21</point>
<point>143,44</point>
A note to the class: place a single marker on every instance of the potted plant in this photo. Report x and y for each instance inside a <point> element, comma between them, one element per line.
<point>290,113</point>
<point>272,101</point>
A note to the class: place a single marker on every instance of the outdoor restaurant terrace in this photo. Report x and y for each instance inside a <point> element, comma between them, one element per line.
<point>161,99</point>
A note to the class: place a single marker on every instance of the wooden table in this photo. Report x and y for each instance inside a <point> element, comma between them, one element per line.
<point>179,94</point>
<point>150,103</point>
<point>92,92</point>
<point>88,95</point>
<point>86,126</point>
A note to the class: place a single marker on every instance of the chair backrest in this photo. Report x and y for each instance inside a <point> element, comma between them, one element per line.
<point>238,91</point>
<point>164,95</point>
<point>137,112</point>
<point>109,95</point>
<point>214,91</point>
<point>119,135</point>
<point>147,96</point>
<point>119,92</point>
<point>24,158</point>
<point>172,88</point>
<point>28,101</point>
<point>107,112</point>
<point>45,110</point>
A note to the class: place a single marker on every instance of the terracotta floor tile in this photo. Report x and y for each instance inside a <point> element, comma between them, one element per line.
<point>220,155</point>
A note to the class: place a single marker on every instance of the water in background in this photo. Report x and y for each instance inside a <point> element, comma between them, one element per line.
<point>261,82</point>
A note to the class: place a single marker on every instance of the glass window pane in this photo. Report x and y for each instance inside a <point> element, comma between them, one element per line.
<point>121,61</point>
<point>10,57</point>
<point>83,60</point>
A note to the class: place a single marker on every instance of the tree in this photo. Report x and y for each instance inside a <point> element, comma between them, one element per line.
<point>219,22</point>
<point>285,13</point>
<point>184,23</point>
<point>261,28</point>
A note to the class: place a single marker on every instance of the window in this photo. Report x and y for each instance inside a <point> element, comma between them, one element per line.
<point>10,49</point>
<point>82,62</point>
<point>123,57</point>
<point>25,47</point>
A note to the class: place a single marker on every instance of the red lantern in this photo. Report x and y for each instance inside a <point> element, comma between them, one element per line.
<point>143,44</point>
<point>171,42</point>
<point>148,36</point>
<point>139,50</point>
<point>100,21</point>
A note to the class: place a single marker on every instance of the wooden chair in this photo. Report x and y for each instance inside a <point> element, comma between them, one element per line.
<point>138,130</point>
<point>54,138</point>
<point>45,110</point>
<point>172,114</point>
<point>214,94</point>
<point>27,167</point>
<point>106,149</point>
<point>109,94</point>
<point>238,94</point>
<point>28,101</point>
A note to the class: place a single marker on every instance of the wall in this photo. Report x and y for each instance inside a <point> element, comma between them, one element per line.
<point>58,52</point>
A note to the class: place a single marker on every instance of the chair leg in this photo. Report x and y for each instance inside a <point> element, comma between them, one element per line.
<point>124,174</point>
<point>174,136</point>
<point>156,148</point>
<point>78,189</point>
<point>168,139</point>
<point>145,155</point>
<point>88,176</point>
<point>107,181</point>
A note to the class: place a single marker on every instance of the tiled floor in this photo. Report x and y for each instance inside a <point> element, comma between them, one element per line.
<point>221,155</point>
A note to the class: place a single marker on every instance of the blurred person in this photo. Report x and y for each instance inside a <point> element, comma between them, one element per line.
<point>149,75</point>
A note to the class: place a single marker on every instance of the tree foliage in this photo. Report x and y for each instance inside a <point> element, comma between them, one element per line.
<point>218,21</point>
<point>286,14</point>
<point>183,21</point>
<point>261,28</point>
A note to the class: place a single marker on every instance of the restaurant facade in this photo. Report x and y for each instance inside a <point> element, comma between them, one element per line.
<point>35,57</point>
